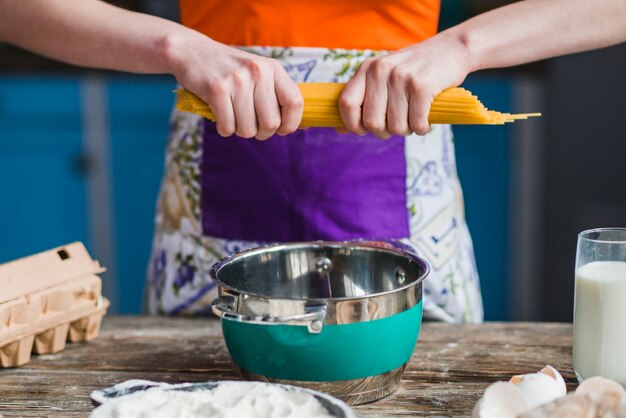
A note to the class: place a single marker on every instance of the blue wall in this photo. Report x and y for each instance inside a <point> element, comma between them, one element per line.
<point>139,114</point>
<point>43,201</point>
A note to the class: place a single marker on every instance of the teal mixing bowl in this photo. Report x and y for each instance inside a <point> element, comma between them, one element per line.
<point>338,317</point>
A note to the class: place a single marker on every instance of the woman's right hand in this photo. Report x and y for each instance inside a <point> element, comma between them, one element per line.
<point>250,96</point>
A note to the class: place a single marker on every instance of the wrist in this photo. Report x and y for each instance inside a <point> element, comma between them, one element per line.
<point>462,44</point>
<point>174,47</point>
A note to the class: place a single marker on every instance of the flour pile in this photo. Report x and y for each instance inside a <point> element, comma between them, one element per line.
<point>228,400</point>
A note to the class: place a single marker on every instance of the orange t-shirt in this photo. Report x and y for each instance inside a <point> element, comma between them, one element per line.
<point>358,24</point>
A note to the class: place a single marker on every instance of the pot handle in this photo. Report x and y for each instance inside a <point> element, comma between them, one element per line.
<point>313,317</point>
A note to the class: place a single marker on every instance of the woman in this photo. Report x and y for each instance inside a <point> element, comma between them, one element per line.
<point>243,58</point>
<point>313,184</point>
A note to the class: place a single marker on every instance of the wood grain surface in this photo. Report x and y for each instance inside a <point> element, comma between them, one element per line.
<point>450,368</point>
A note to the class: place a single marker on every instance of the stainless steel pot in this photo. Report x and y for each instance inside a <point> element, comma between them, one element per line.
<point>342,318</point>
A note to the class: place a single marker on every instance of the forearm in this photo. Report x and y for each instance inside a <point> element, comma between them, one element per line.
<point>92,33</point>
<point>251,96</point>
<point>531,30</point>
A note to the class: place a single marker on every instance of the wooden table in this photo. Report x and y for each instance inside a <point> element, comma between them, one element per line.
<point>450,368</point>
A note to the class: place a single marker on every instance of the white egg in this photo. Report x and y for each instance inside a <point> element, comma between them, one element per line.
<point>551,371</point>
<point>596,387</point>
<point>501,400</point>
<point>540,388</point>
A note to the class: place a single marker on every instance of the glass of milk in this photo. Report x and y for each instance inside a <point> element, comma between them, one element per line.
<point>600,305</point>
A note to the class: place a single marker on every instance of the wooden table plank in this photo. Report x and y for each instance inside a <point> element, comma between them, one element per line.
<point>451,365</point>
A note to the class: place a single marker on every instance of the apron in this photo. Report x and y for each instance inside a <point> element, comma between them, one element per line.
<point>224,195</point>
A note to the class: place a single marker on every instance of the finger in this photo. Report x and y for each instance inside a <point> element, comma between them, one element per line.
<point>419,107</point>
<point>342,130</point>
<point>398,106</point>
<point>267,109</point>
<point>351,102</point>
<point>220,104</point>
<point>245,115</point>
<point>375,102</point>
<point>290,101</point>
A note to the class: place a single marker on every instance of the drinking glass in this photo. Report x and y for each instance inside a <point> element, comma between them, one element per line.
<point>600,305</point>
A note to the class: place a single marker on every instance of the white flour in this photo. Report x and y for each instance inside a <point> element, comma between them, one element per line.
<point>228,400</point>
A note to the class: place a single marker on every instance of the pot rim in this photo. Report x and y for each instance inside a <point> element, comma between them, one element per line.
<point>393,247</point>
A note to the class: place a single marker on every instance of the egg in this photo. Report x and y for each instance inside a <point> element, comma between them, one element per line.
<point>598,387</point>
<point>596,397</point>
<point>521,394</point>
<point>542,387</point>
<point>501,400</point>
<point>543,395</point>
<point>570,406</point>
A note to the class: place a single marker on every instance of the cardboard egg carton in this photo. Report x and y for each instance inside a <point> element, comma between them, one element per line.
<point>48,299</point>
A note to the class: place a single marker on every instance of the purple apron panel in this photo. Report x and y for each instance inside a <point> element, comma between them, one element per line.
<point>315,184</point>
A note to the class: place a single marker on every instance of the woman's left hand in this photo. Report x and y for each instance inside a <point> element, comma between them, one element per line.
<point>391,94</point>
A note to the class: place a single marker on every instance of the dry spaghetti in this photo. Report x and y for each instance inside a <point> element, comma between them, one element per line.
<point>455,106</point>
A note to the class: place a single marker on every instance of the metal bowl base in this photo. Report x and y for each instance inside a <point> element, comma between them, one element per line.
<point>352,392</point>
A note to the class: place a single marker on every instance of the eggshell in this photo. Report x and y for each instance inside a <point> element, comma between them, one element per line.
<point>597,387</point>
<point>501,400</point>
<point>570,406</point>
<point>540,388</point>
<point>554,373</point>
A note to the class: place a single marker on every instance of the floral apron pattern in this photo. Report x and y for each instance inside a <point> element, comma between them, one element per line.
<point>434,221</point>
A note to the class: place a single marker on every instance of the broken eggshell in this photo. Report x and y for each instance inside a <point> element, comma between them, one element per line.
<point>596,397</point>
<point>522,393</point>
<point>599,386</point>
<point>570,406</point>
<point>542,387</point>
<point>500,400</point>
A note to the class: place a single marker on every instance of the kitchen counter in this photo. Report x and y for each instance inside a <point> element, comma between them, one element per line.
<point>450,368</point>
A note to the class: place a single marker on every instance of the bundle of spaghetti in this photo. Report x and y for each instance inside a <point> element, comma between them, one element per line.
<point>455,106</point>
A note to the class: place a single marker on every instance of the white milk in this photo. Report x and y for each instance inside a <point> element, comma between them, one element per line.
<point>600,320</point>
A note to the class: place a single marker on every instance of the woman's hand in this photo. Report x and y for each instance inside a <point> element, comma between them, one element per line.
<point>250,96</point>
<point>392,94</point>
